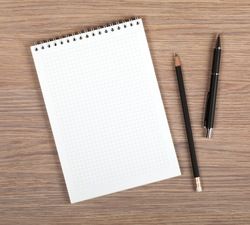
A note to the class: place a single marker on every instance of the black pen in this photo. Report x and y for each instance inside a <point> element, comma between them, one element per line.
<point>188,126</point>
<point>211,97</point>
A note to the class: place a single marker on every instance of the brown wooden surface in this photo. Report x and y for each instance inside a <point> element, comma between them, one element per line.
<point>32,188</point>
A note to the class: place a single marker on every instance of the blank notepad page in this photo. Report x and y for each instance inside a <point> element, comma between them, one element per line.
<point>105,110</point>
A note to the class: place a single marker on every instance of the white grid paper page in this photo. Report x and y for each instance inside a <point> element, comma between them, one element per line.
<point>106,111</point>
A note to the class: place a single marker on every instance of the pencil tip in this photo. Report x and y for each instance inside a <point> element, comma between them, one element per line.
<point>177,60</point>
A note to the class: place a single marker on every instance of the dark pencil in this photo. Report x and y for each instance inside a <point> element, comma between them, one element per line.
<point>189,132</point>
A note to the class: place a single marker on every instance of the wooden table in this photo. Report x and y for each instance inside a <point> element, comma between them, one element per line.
<point>32,188</point>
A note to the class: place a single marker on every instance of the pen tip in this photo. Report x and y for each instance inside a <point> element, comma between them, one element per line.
<point>209,133</point>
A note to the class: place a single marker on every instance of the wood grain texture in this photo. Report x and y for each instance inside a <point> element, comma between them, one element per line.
<point>32,188</point>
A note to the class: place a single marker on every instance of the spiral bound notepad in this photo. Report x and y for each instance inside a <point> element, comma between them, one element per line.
<point>105,110</point>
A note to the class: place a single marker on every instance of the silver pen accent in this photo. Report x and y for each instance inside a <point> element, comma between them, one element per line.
<point>209,133</point>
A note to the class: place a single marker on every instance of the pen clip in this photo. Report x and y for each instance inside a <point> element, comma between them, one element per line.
<point>206,111</point>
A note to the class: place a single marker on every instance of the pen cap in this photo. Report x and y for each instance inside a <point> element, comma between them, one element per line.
<point>216,60</point>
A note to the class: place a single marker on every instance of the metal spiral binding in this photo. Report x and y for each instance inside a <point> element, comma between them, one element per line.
<point>86,33</point>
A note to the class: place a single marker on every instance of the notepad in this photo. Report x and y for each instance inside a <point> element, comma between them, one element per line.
<point>105,110</point>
